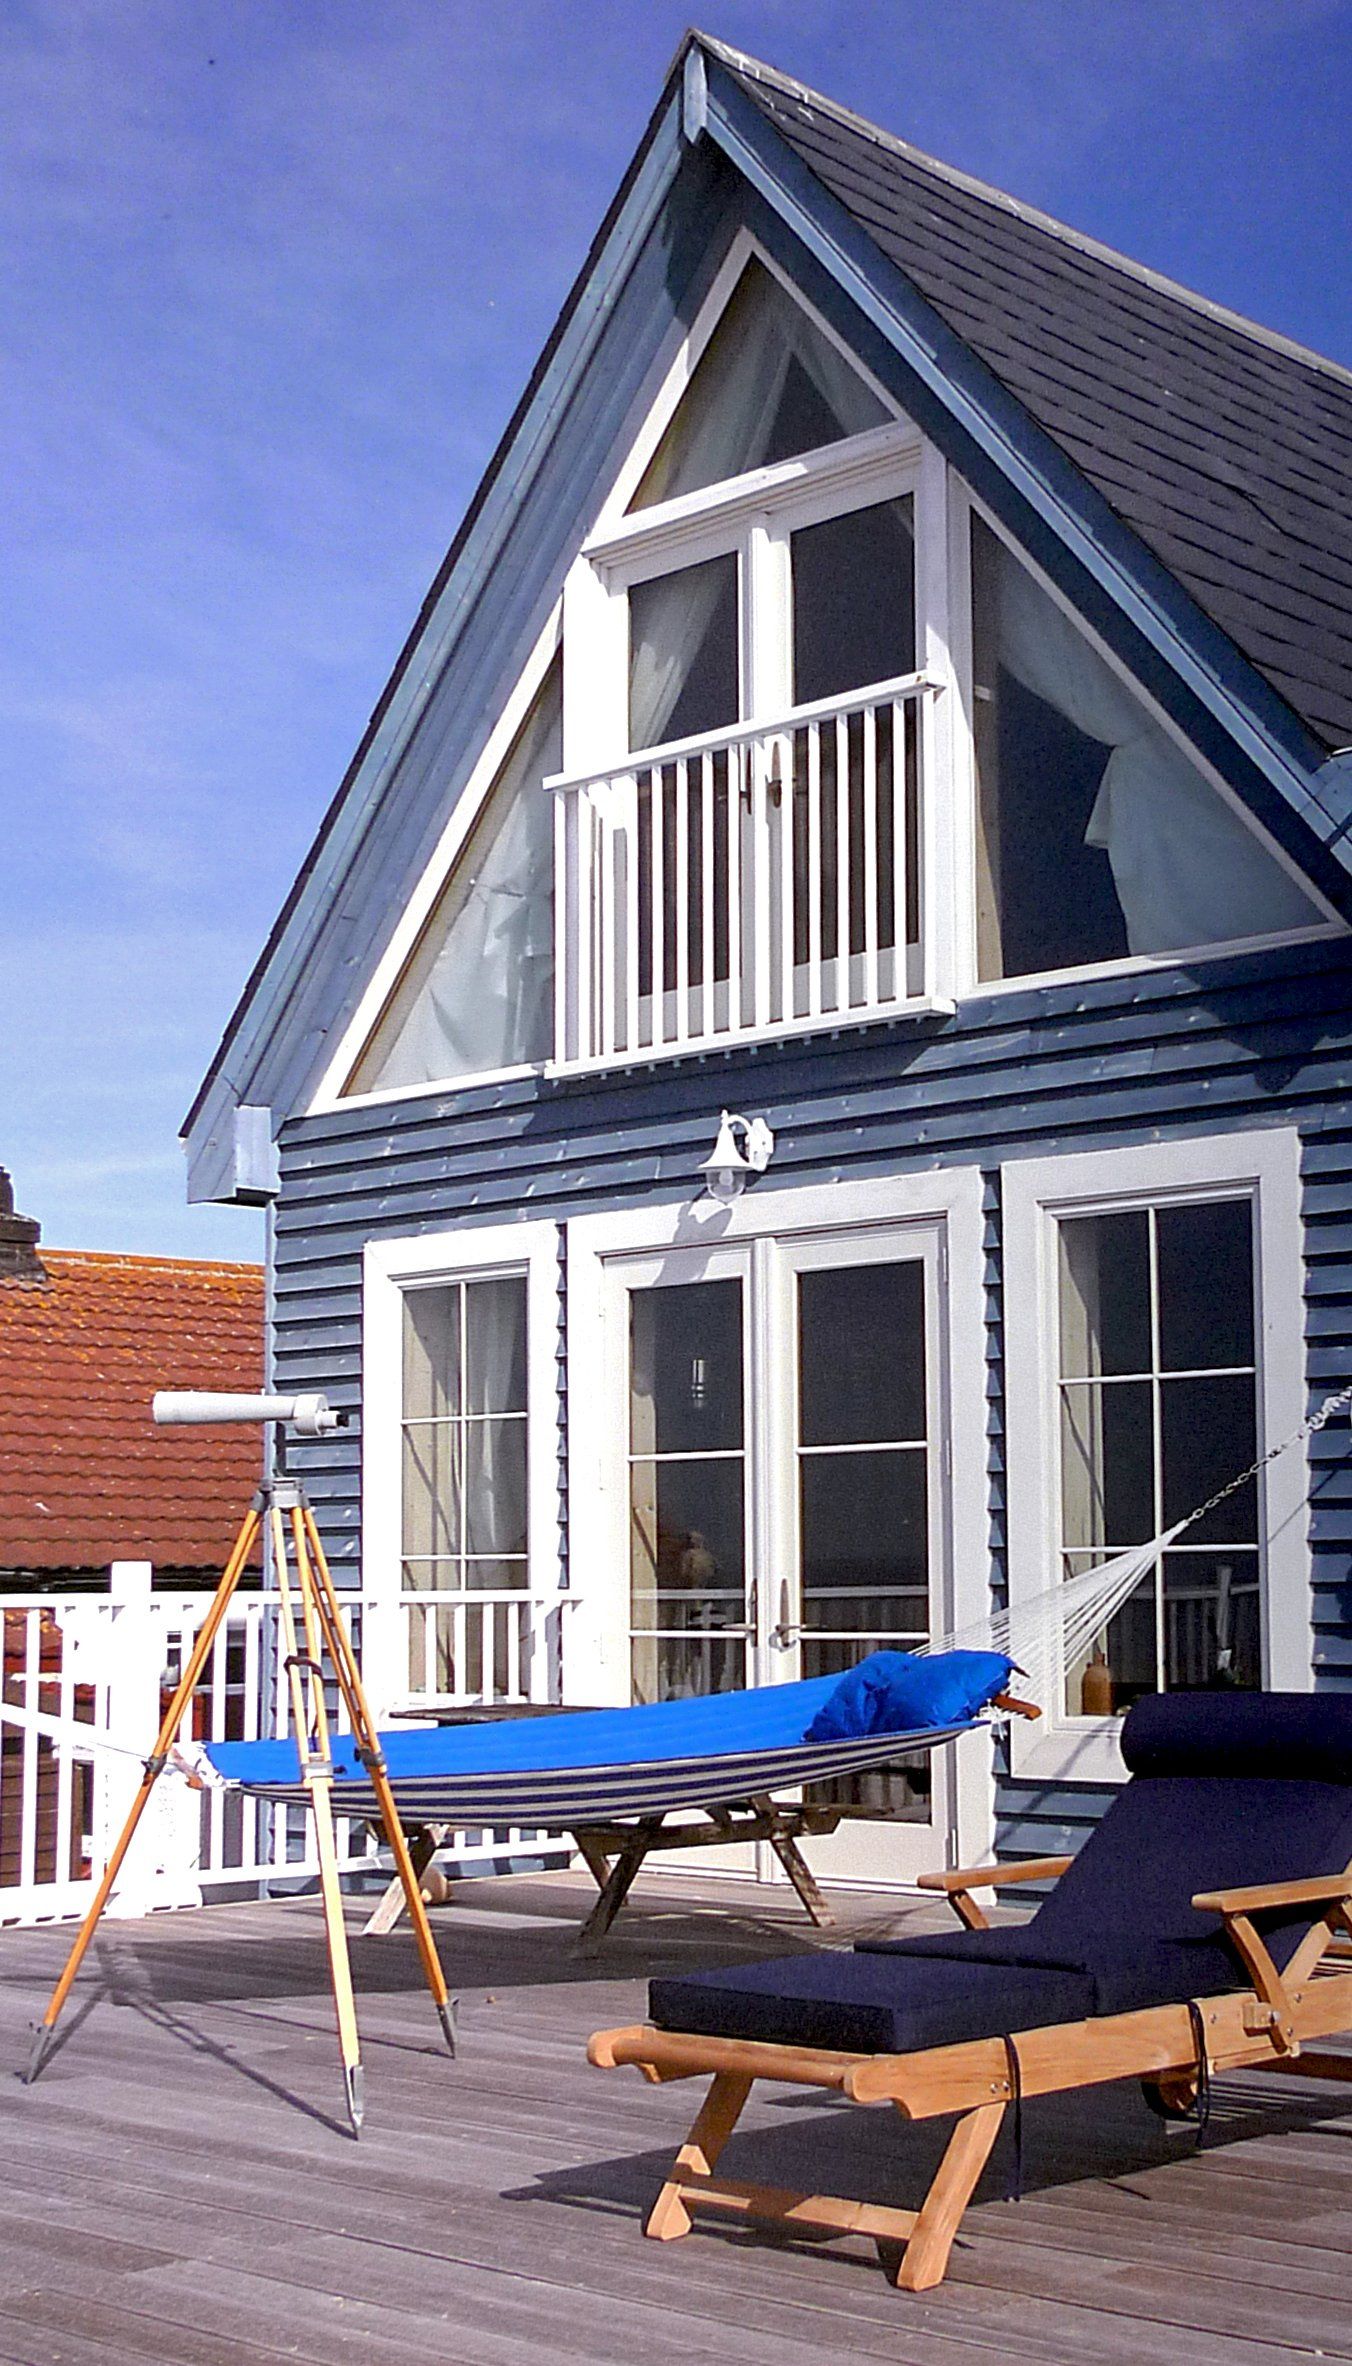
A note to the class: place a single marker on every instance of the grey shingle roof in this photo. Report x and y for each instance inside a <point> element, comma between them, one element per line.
<point>1227,449</point>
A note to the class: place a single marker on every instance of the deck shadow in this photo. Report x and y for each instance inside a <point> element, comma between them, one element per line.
<point>1103,2136</point>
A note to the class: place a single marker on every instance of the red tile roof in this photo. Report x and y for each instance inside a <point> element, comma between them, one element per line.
<point>85,1478</point>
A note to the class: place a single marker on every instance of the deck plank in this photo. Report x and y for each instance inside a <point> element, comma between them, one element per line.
<point>182,2190</point>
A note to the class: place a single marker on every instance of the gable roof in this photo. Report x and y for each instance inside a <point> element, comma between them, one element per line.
<point>1157,406</point>
<point>85,1477</point>
<point>1228,449</point>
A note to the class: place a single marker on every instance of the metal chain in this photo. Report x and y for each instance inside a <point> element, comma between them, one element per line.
<point>1315,1421</point>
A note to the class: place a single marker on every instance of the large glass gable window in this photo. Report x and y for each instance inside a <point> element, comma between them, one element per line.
<point>768,386</point>
<point>477,991</point>
<point>1097,838</point>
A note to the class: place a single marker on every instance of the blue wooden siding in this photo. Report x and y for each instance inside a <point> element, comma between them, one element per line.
<point>1251,1040</point>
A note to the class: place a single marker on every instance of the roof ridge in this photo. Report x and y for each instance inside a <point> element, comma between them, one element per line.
<point>239,1268</point>
<point>758,71</point>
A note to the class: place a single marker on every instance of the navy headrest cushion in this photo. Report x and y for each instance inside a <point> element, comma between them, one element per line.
<point>1291,1735</point>
<point>896,1692</point>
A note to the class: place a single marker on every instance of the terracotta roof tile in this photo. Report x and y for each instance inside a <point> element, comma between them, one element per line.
<point>85,1478</point>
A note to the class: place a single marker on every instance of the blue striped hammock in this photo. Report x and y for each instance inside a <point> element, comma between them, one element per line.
<point>588,1765</point>
<point>592,1766</point>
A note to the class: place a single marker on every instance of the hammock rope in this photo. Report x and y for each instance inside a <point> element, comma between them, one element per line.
<point>1048,1633</point>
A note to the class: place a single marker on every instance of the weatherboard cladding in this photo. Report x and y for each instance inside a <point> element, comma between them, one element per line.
<point>1229,453</point>
<point>1255,1039</point>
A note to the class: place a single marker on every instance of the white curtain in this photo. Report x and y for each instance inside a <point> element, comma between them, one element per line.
<point>495,1367</point>
<point>669,617</point>
<point>1187,870</point>
<point>479,992</point>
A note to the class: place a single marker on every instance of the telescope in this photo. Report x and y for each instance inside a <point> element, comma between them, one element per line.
<point>310,1415</point>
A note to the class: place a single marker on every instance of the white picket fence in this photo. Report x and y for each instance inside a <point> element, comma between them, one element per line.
<point>107,1661</point>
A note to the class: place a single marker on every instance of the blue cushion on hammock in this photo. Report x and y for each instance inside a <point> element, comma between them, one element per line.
<point>896,1692</point>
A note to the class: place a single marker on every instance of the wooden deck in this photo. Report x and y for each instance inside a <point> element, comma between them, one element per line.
<point>180,2189</point>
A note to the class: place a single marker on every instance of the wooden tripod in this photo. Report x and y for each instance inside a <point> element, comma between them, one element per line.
<point>319,1629</point>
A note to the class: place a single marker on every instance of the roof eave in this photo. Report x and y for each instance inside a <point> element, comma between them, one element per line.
<point>992,421</point>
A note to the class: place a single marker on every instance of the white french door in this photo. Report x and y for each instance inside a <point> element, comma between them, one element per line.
<point>772,1417</point>
<point>859,1543</point>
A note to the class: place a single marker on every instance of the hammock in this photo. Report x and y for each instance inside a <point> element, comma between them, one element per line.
<point>588,1766</point>
<point>591,1766</point>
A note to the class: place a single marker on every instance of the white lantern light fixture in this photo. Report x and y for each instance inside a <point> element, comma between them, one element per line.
<point>743,1149</point>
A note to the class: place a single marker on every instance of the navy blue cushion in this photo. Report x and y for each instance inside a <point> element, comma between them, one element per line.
<point>1168,1972</point>
<point>863,2004</point>
<point>1264,1734</point>
<point>896,1692</point>
<point>1166,1837</point>
<point>1227,1790</point>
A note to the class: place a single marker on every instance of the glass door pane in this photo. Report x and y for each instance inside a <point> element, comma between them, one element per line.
<point>687,1490</point>
<point>855,902</point>
<point>684,676</point>
<point>864,1487</point>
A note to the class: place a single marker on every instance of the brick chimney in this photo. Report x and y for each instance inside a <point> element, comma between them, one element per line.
<point>19,1259</point>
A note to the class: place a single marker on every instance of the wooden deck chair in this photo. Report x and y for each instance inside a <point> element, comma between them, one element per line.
<point>1190,1936</point>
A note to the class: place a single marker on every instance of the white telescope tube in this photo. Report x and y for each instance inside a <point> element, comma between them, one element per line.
<point>310,1416</point>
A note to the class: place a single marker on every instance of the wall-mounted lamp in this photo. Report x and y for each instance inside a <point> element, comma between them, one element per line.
<point>743,1148</point>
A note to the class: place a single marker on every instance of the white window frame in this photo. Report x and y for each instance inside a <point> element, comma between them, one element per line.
<point>390,1268</point>
<point>963,507</point>
<point>356,1036</point>
<point>945,1204</point>
<point>1037,1193</point>
<point>753,516</point>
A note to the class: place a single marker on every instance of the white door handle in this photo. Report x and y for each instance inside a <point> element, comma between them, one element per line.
<point>786,1633</point>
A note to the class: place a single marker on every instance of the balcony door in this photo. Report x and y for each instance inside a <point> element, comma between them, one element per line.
<point>780,867</point>
<point>775,1433</point>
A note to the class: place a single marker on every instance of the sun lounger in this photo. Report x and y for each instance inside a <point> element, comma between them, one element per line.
<point>1191,1935</point>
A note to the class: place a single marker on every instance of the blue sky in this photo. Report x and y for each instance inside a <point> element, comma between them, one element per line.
<point>277,270</point>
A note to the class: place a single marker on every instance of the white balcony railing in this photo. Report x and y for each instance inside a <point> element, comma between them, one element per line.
<point>765,878</point>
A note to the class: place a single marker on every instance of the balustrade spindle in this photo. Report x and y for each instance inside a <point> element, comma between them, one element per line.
<point>760,877</point>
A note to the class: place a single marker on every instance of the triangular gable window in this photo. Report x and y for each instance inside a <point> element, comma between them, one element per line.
<point>477,992</point>
<point>768,386</point>
<point>1097,838</point>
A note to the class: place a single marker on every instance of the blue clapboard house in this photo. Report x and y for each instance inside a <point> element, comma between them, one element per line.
<point>892,687</point>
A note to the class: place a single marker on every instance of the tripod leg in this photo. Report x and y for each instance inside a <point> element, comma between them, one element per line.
<point>169,1725</point>
<point>311,1551</point>
<point>310,1719</point>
